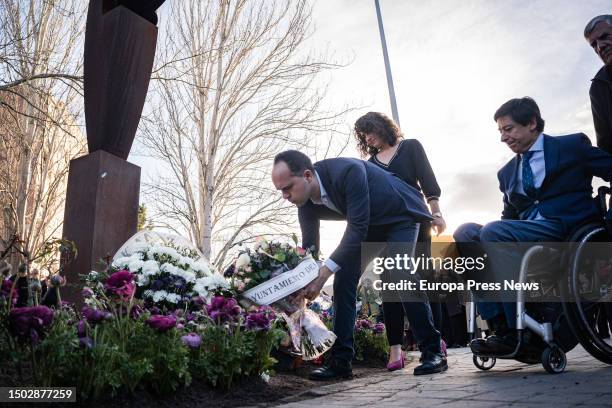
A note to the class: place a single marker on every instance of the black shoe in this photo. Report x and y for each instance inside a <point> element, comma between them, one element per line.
<point>431,363</point>
<point>337,369</point>
<point>479,346</point>
<point>501,345</point>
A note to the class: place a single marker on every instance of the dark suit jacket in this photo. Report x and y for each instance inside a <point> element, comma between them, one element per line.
<point>566,192</point>
<point>365,195</point>
<point>601,106</point>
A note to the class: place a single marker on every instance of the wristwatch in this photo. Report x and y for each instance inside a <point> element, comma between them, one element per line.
<point>437,215</point>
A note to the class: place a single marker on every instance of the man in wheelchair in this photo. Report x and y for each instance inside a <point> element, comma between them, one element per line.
<point>547,193</point>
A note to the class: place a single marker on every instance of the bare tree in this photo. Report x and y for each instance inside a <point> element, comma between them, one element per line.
<point>234,85</point>
<point>40,103</point>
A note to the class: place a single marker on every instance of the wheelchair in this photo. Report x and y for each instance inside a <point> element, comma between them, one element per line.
<point>546,332</point>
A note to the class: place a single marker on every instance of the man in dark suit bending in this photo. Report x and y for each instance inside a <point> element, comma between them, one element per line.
<point>378,207</point>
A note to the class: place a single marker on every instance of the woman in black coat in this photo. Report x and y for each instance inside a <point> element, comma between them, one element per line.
<point>380,138</point>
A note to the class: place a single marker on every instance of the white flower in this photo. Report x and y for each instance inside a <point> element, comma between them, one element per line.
<point>159,296</point>
<point>150,267</point>
<point>167,251</point>
<point>189,276</point>
<point>135,265</point>
<point>186,261</point>
<point>142,280</point>
<point>201,268</point>
<point>173,297</point>
<point>148,293</point>
<point>122,262</point>
<point>243,260</point>
<point>167,267</point>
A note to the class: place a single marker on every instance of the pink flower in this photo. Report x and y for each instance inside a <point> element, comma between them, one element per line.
<point>223,309</point>
<point>162,323</point>
<point>261,319</point>
<point>30,322</point>
<point>120,284</point>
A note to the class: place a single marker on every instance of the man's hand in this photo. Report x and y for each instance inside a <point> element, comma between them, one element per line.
<point>312,290</point>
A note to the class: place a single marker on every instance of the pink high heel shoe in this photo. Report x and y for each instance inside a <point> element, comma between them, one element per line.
<point>397,365</point>
<point>443,347</point>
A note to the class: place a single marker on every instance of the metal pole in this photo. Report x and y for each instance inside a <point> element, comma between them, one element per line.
<point>387,65</point>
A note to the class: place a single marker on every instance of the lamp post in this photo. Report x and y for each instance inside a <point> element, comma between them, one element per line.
<point>387,65</point>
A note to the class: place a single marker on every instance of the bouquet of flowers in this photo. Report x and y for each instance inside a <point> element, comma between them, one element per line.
<point>169,271</point>
<point>273,273</point>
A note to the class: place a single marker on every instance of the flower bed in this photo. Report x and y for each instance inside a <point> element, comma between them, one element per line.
<point>116,346</point>
<point>160,320</point>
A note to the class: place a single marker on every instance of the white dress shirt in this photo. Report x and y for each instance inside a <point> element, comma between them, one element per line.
<point>326,201</point>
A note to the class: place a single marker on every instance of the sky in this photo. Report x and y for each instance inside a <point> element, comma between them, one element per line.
<point>454,63</point>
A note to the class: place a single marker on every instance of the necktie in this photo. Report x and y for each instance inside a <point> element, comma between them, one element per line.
<point>528,183</point>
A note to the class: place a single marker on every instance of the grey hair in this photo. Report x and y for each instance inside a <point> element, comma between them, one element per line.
<point>604,18</point>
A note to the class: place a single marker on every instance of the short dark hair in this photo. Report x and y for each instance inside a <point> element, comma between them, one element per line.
<point>296,161</point>
<point>604,18</point>
<point>521,110</point>
<point>381,125</point>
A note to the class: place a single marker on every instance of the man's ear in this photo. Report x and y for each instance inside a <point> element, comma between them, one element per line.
<point>533,124</point>
<point>308,175</point>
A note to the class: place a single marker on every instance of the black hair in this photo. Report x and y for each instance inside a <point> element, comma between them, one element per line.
<point>296,161</point>
<point>381,125</point>
<point>522,111</point>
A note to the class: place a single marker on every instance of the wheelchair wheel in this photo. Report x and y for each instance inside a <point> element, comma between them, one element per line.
<point>484,363</point>
<point>554,360</point>
<point>587,292</point>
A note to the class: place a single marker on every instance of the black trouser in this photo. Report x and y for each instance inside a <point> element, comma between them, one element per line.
<point>395,325</point>
<point>345,292</point>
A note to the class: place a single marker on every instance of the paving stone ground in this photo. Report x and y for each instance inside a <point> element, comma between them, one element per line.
<point>586,382</point>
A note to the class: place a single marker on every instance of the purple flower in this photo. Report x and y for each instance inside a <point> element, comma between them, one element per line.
<point>229,272</point>
<point>363,324</point>
<point>379,328</point>
<point>199,301</point>
<point>223,309</point>
<point>94,316</point>
<point>162,323</point>
<point>136,311</point>
<point>260,319</point>
<point>157,285</point>
<point>86,342</point>
<point>120,284</point>
<point>30,322</point>
<point>81,328</point>
<point>87,292</point>
<point>191,340</point>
